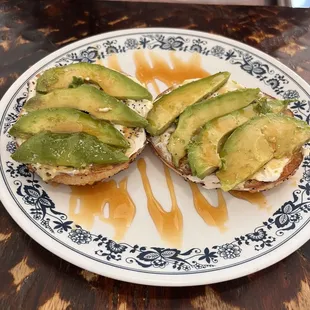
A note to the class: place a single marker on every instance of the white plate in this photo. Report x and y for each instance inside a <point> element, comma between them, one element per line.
<point>254,238</point>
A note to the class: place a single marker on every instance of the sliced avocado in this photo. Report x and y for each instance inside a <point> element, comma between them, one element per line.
<point>203,154</point>
<point>90,99</point>
<point>168,107</point>
<point>199,114</point>
<point>67,149</point>
<point>112,82</point>
<point>256,142</point>
<point>67,120</point>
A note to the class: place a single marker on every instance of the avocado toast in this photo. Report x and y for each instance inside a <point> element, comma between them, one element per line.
<point>234,138</point>
<point>81,124</point>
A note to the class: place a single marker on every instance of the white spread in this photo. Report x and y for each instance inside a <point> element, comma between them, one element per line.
<point>104,109</point>
<point>142,107</point>
<point>209,182</point>
<point>162,141</point>
<point>135,136</point>
<point>20,141</point>
<point>230,85</point>
<point>47,172</point>
<point>271,171</point>
<point>32,87</point>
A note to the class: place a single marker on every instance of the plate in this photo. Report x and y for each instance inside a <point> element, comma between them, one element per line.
<point>160,230</point>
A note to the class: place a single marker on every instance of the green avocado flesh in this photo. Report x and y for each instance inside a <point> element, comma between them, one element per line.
<point>90,99</point>
<point>67,149</point>
<point>168,107</point>
<point>256,142</point>
<point>112,82</point>
<point>195,116</point>
<point>69,120</point>
<point>203,154</point>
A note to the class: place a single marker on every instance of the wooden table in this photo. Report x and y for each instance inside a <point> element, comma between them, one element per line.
<point>30,276</point>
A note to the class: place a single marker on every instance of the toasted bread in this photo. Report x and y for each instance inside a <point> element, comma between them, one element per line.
<point>89,175</point>
<point>250,185</point>
<point>94,174</point>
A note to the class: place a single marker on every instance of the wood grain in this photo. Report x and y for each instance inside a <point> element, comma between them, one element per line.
<point>33,278</point>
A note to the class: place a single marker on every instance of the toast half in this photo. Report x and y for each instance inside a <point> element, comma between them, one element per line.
<point>212,181</point>
<point>252,186</point>
<point>93,173</point>
<point>88,176</point>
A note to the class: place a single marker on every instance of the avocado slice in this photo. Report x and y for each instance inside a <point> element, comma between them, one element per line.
<point>203,154</point>
<point>168,107</point>
<point>199,114</point>
<point>256,142</point>
<point>67,149</point>
<point>67,120</point>
<point>112,82</point>
<point>90,99</point>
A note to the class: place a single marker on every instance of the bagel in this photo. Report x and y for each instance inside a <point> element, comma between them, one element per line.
<point>82,177</point>
<point>93,173</point>
<point>250,185</point>
<point>159,146</point>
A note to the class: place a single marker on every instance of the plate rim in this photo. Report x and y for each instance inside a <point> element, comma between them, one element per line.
<point>188,281</point>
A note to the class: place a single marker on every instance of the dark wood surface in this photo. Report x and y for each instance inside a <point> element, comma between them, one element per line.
<point>30,276</point>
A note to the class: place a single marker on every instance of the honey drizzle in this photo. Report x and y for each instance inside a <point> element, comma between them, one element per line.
<point>160,69</point>
<point>113,63</point>
<point>121,208</point>
<point>293,182</point>
<point>168,224</point>
<point>91,200</point>
<point>213,216</point>
<point>255,198</point>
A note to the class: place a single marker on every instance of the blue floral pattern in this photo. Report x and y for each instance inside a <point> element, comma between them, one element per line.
<point>11,147</point>
<point>246,61</point>
<point>80,236</point>
<point>90,55</point>
<point>40,205</point>
<point>229,251</point>
<point>217,51</point>
<point>290,94</point>
<point>42,209</point>
<point>131,44</point>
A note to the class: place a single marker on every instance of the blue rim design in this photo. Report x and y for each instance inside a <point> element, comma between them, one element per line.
<point>195,259</point>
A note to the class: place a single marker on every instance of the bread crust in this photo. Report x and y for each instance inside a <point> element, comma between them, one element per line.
<point>95,173</point>
<point>252,186</point>
<point>289,170</point>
